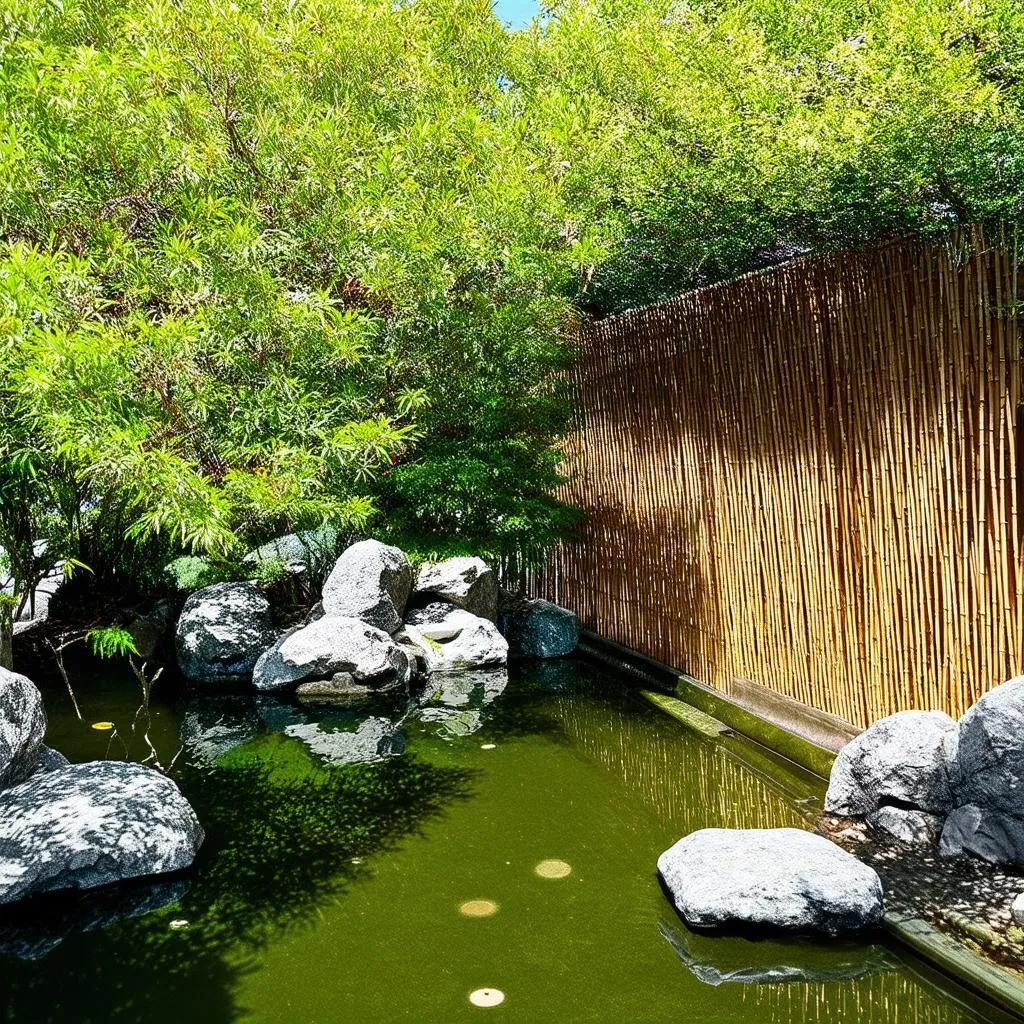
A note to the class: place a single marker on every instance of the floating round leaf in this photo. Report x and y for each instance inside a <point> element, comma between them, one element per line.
<point>552,869</point>
<point>487,997</point>
<point>478,908</point>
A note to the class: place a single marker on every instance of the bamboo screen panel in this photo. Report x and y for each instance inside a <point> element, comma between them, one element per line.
<point>808,478</point>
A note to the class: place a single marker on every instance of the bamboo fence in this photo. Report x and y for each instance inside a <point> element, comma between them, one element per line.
<point>808,478</point>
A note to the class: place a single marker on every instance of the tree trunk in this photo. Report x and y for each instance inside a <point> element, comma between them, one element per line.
<point>6,636</point>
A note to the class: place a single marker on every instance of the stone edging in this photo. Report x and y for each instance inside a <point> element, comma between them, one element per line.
<point>928,942</point>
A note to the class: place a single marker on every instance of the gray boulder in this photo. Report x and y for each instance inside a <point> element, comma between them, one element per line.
<point>328,647</point>
<point>310,551</point>
<point>370,581</point>
<point>904,759</point>
<point>908,826</point>
<point>22,727</point>
<point>989,763</point>
<point>92,824</point>
<point>989,834</point>
<point>780,878</point>
<point>450,639</point>
<point>468,583</point>
<point>539,629</point>
<point>221,633</point>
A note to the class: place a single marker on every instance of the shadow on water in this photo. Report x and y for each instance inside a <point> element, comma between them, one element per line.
<point>313,871</point>
<point>285,834</point>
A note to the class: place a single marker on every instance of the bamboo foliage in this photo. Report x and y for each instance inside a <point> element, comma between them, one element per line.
<point>808,478</point>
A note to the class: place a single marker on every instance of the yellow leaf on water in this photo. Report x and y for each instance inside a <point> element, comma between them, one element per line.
<point>103,726</point>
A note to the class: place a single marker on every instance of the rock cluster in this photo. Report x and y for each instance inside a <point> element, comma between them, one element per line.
<point>79,826</point>
<point>920,777</point>
<point>379,625</point>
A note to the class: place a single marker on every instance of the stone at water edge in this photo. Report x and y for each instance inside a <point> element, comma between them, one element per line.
<point>904,759</point>
<point>22,727</point>
<point>468,583</point>
<point>341,688</point>
<point>221,633</point>
<point>327,647</point>
<point>781,878</point>
<point>438,620</point>
<point>370,581</point>
<point>917,828</point>
<point>539,629</point>
<point>88,825</point>
<point>985,833</point>
<point>1017,910</point>
<point>449,639</point>
<point>988,768</point>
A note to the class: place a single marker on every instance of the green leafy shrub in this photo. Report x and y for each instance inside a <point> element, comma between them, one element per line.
<point>193,572</point>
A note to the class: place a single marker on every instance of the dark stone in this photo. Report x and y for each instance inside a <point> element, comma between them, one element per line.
<point>539,629</point>
<point>992,835</point>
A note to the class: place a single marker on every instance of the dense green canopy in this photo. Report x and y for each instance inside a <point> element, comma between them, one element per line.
<point>271,264</point>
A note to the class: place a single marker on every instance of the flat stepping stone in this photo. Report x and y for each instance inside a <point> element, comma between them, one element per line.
<point>783,879</point>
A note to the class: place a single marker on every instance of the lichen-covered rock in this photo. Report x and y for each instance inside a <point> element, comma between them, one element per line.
<point>468,583</point>
<point>92,824</point>
<point>780,878</point>
<point>989,762</point>
<point>221,633</point>
<point>907,825</point>
<point>22,727</point>
<point>992,835</point>
<point>328,647</point>
<point>370,581</point>
<point>539,629</point>
<point>904,759</point>
<point>450,639</point>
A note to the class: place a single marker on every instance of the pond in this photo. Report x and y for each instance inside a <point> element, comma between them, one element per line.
<point>384,865</point>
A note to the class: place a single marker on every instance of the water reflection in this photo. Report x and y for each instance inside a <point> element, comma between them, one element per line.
<point>456,702</point>
<point>318,836</point>
<point>724,960</point>
<point>31,930</point>
<point>211,726</point>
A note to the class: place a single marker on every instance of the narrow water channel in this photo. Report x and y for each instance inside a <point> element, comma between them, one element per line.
<point>365,867</point>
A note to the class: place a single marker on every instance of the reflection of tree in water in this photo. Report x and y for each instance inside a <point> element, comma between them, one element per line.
<point>281,835</point>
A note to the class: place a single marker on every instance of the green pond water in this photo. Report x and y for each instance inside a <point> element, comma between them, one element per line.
<point>342,845</point>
